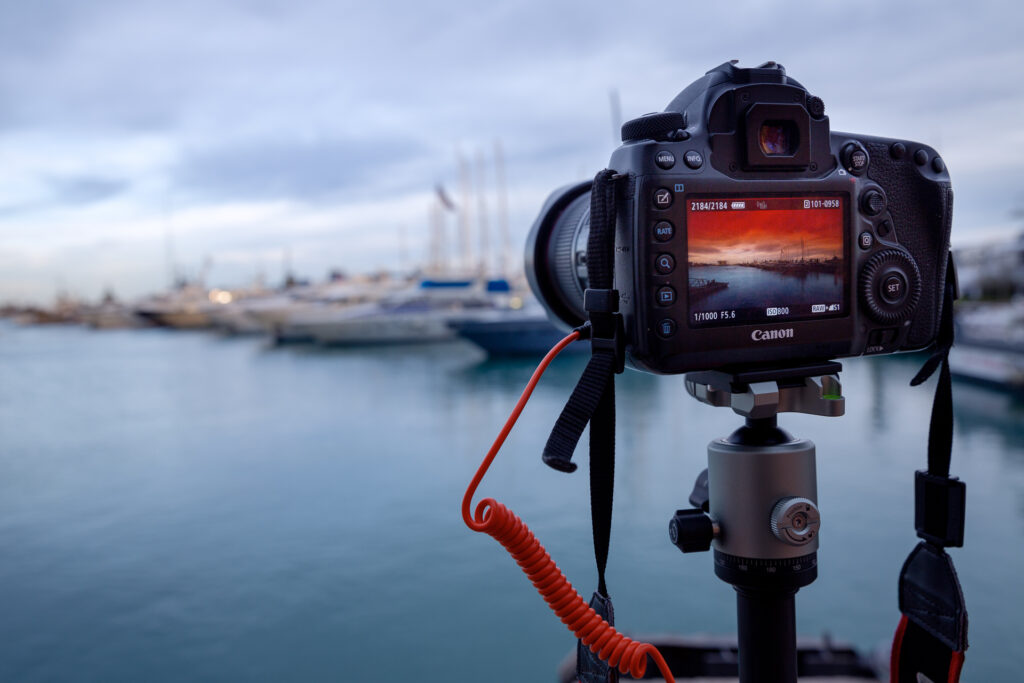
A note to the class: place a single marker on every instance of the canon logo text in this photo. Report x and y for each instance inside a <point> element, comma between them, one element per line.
<point>762,335</point>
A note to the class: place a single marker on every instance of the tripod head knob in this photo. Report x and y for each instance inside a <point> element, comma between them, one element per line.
<point>795,520</point>
<point>692,531</point>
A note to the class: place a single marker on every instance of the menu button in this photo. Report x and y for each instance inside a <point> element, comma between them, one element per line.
<point>665,159</point>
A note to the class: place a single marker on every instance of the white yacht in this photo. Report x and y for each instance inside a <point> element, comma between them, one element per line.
<point>989,344</point>
<point>418,315</point>
<point>293,315</point>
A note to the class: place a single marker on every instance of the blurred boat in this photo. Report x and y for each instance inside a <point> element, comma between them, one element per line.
<point>418,315</point>
<point>293,316</point>
<point>187,307</point>
<point>510,332</point>
<point>990,344</point>
<point>111,314</point>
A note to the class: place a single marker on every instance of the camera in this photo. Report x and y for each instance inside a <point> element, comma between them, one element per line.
<point>748,234</point>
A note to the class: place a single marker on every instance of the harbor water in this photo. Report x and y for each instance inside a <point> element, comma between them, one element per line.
<point>183,506</point>
<point>751,287</point>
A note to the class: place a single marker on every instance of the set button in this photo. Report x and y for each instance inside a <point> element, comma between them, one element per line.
<point>894,289</point>
<point>666,296</point>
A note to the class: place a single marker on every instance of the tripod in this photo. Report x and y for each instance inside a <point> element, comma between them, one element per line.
<point>756,503</point>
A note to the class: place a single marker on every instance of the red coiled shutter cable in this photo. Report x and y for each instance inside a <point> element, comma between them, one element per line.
<point>496,520</point>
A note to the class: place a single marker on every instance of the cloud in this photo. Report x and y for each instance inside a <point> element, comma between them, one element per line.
<point>85,189</point>
<point>124,121</point>
<point>314,169</point>
<point>68,192</point>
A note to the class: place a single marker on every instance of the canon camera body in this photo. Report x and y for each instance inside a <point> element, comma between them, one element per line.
<point>748,233</point>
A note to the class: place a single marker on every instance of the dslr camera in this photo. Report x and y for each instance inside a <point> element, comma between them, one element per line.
<point>747,233</point>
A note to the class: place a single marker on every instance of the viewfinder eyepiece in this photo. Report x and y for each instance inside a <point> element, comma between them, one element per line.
<point>778,138</point>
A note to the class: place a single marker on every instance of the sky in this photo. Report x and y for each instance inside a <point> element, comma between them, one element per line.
<point>141,138</point>
<point>784,231</point>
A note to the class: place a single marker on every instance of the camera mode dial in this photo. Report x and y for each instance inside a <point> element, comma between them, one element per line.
<point>890,286</point>
<point>657,126</point>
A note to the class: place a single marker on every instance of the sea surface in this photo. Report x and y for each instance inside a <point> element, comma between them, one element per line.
<point>185,507</point>
<point>764,288</point>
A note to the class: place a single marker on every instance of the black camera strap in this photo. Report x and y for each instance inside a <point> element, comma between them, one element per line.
<point>932,634</point>
<point>593,402</point>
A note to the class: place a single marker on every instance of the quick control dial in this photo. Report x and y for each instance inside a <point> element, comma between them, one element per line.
<point>890,286</point>
<point>795,521</point>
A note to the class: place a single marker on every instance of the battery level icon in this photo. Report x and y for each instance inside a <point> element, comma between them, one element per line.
<point>738,206</point>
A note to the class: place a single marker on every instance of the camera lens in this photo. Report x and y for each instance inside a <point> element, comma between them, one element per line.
<point>556,265</point>
<point>778,138</point>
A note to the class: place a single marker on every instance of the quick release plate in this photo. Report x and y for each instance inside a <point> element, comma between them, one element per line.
<point>812,390</point>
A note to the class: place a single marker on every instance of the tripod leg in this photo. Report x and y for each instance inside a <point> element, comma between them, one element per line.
<point>767,635</point>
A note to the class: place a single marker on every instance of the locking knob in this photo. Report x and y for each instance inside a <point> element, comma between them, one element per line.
<point>795,520</point>
<point>691,531</point>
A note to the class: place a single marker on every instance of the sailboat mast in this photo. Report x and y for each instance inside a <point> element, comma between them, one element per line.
<point>464,215</point>
<point>436,237</point>
<point>499,179</point>
<point>481,196</point>
<point>616,111</point>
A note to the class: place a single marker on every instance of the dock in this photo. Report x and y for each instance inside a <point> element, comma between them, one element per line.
<point>702,287</point>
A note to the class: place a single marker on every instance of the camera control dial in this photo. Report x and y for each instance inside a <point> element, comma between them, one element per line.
<point>890,286</point>
<point>795,520</point>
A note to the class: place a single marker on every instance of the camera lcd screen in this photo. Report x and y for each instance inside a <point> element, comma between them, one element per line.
<point>765,259</point>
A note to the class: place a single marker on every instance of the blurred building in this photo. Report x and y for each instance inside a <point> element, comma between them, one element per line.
<point>992,271</point>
